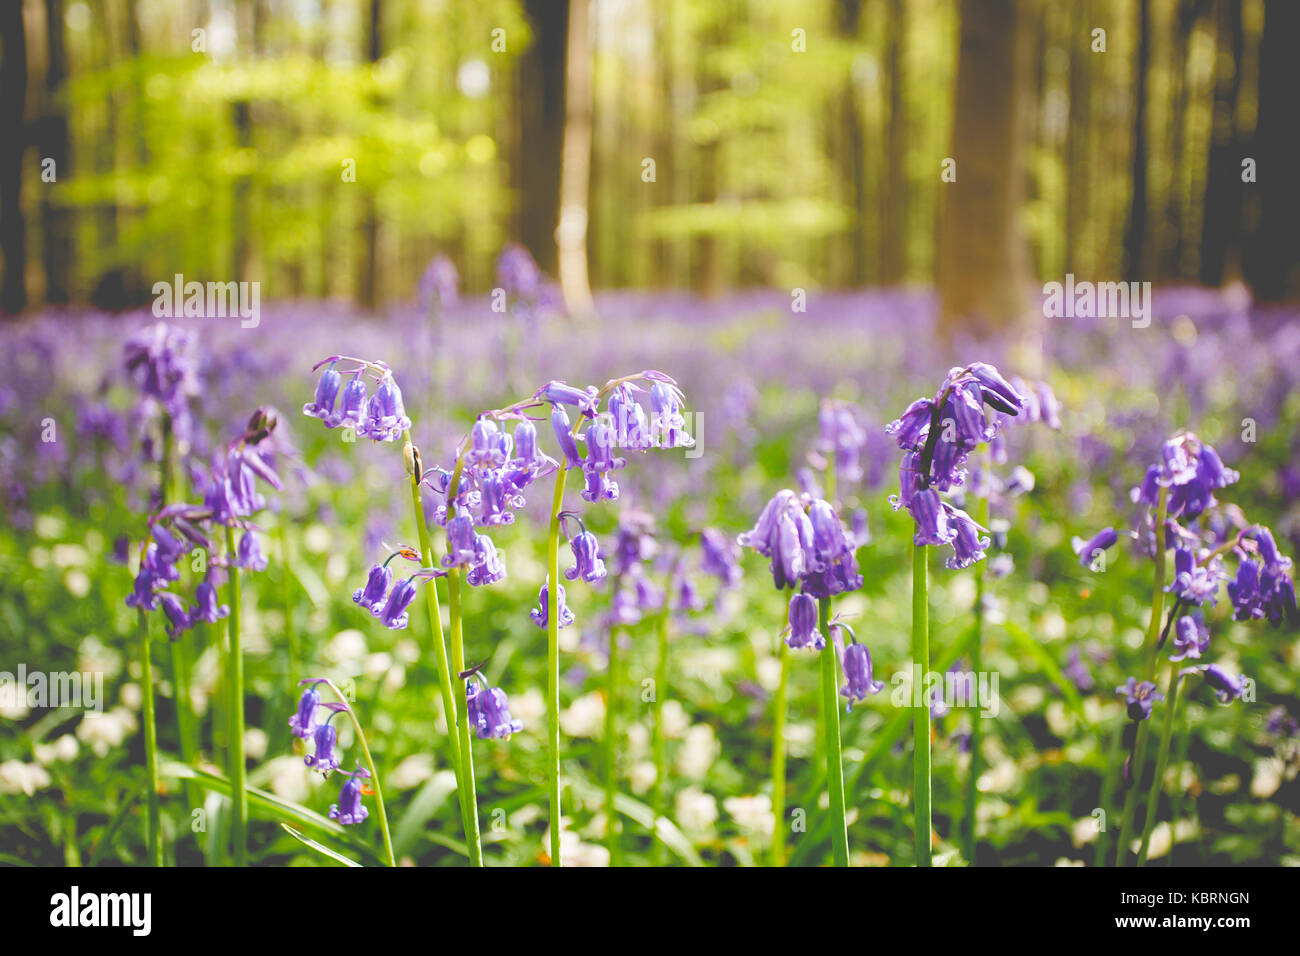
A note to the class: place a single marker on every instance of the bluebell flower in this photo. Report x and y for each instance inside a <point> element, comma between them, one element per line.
<point>857,674</point>
<point>327,393</point>
<point>303,723</point>
<point>206,606</point>
<point>489,712</point>
<point>804,630</point>
<point>719,557</point>
<point>178,621</point>
<point>587,562</point>
<point>558,392</point>
<point>629,419</point>
<point>1139,696</point>
<point>461,542</point>
<point>385,414</point>
<point>540,613</point>
<point>1087,550</point>
<point>249,554</point>
<point>488,567</point>
<point>324,760</point>
<point>1191,638</point>
<point>350,809</point>
<point>1194,583</point>
<point>967,544</point>
<point>394,613</point>
<point>563,429</point>
<point>371,597</point>
<point>352,411</point>
<point>667,423</point>
<point>1227,687</point>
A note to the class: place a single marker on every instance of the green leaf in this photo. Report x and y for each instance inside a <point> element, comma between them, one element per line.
<point>1049,666</point>
<point>319,848</point>
<point>426,804</point>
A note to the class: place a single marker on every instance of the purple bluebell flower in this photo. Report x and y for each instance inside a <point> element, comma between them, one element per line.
<point>303,723</point>
<point>206,606</point>
<point>324,760</point>
<point>178,620</point>
<point>967,544</point>
<point>485,450</point>
<point>1191,638</point>
<point>841,439</point>
<point>998,393</point>
<point>489,712</point>
<point>598,486</point>
<point>439,283</point>
<point>1139,697</point>
<point>488,567</point>
<point>1194,583</point>
<point>461,542</point>
<point>1245,592</point>
<point>719,557</point>
<point>629,419</point>
<point>556,393</point>
<point>931,518</point>
<point>601,440</point>
<point>563,429</point>
<point>385,414</point>
<point>667,423</point>
<point>540,613</point>
<point>350,809</point>
<point>1227,687</point>
<point>394,613</point>
<point>144,591</point>
<point>587,562</point>
<point>1076,670</point>
<point>327,393</point>
<point>804,630</point>
<point>518,274</point>
<point>1099,542</point>
<point>249,554</point>
<point>371,597</point>
<point>857,674</point>
<point>910,429</point>
<point>352,411</point>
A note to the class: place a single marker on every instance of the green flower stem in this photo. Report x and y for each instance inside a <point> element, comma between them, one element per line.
<point>553,660</point>
<point>1183,741</point>
<point>235,686</point>
<point>374,774</point>
<point>831,721</point>
<point>1108,788</point>
<point>610,746</point>
<point>977,664</point>
<point>439,643</point>
<point>778,760</point>
<point>1149,670</point>
<point>153,834</point>
<point>921,710</point>
<point>658,743</point>
<point>473,840</point>
<point>1162,760</point>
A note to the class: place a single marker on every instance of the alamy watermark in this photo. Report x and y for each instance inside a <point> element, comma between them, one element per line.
<point>1101,300</point>
<point>208,300</point>
<point>947,691</point>
<point>48,689</point>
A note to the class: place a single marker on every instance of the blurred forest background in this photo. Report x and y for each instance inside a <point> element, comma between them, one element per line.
<point>330,148</point>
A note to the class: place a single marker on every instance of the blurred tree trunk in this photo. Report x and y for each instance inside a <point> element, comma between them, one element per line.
<point>1273,265</point>
<point>541,105</point>
<point>850,153</point>
<point>367,281</point>
<point>706,264</point>
<point>1135,231</point>
<point>981,262</point>
<point>13,101</point>
<point>1175,216</point>
<point>575,170</point>
<point>1221,225</point>
<point>56,221</point>
<point>1077,139</point>
<point>893,231</point>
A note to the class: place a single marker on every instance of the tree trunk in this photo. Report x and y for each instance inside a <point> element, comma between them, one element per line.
<point>541,105</point>
<point>56,221</point>
<point>1273,265</point>
<point>367,281</point>
<point>13,101</point>
<point>1077,140</point>
<point>893,232</point>
<point>850,154</point>
<point>1135,232</point>
<point>981,262</point>
<point>575,171</point>
<point>1221,225</point>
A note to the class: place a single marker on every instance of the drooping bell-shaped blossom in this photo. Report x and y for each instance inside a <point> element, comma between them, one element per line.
<point>371,597</point>
<point>350,809</point>
<point>587,562</point>
<point>1098,543</point>
<point>1191,638</point>
<point>327,393</point>
<point>324,760</point>
<point>1139,697</point>
<point>841,439</point>
<point>249,553</point>
<point>601,442</point>
<point>629,420</point>
<point>540,613</point>
<point>931,518</point>
<point>461,542</point>
<point>598,486</point>
<point>1226,685</point>
<point>489,712</point>
<point>719,557</point>
<point>557,393</point>
<point>859,684</point>
<point>303,722</point>
<point>1244,590</point>
<point>160,360</point>
<point>667,423</point>
<point>488,566</point>
<point>352,409</point>
<point>439,284</point>
<point>206,605</point>
<point>563,429</point>
<point>1077,671</point>
<point>178,619</point>
<point>485,450</point>
<point>385,414</point>
<point>803,625</point>
<point>394,614</point>
<point>968,544</point>
<point>518,274</point>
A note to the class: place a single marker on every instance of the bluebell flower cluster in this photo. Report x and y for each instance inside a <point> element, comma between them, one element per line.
<point>325,759</point>
<point>937,436</point>
<point>380,416</point>
<point>439,284</point>
<point>489,711</point>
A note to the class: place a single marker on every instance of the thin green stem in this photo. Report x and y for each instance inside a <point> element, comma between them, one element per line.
<point>473,840</point>
<point>1108,789</point>
<point>920,707</point>
<point>977,664</point>
<point>1138,762</point>
<point>1162,760</point>
<point>235,685</point>
<point>374,774</point>
<point>153,832</point>
<point>610,747</point>
<point>1184,738</point>
<point>659,745</point>
<point>439,645</point>
<point>778,759</point>
<point>553,660</point>
<point>831,723</point>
